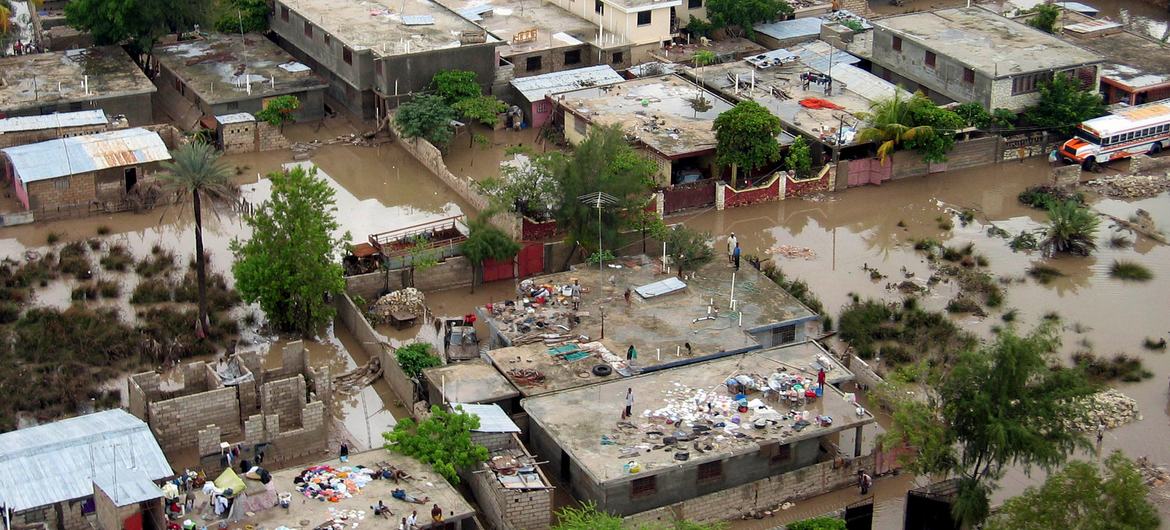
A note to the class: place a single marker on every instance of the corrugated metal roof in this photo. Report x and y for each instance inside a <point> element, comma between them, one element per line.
<point>492,418</point>
<point>53,121</point>
<point>536,87</point>
<point>128,486</point>
<point>791,29</point>
<point>418,20</point>
<point>475,13</point>
<point>239,117</point>
<point>58,461</point>
<point>82,154</point>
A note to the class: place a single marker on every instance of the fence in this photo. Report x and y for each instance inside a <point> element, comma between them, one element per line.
<point>686,196</point>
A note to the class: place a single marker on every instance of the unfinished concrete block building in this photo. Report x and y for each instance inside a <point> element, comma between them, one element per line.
<point>280,412</point>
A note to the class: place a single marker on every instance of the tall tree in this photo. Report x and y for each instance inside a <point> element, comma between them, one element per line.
<point>745,137</point>
<point>799,159</point>
<point>1071,229</point>
<point>242,15</point>
<point>485,241</point>
<point>485,110</point>
<point>195,173</point>
<point>137,23</point>
<point>603,162</point>
<point>442,440</point>
<point>738,16</point>
<point>290,264</point>
<point>426,117</point>
<point>688,247</point>
<point>1003,404</point>
<point>456,85</point>
<point>1080,498</point>
<point>1045,17</point>
<point>1064,103</point>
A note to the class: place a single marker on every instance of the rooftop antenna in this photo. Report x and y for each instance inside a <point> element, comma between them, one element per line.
<point>599,200</point>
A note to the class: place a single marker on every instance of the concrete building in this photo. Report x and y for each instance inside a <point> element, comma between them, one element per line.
<point>372,52</point>
<point>94,78</point>
<point>541,38</point>
<point>645,24</point>
<point>225,74</point>
<point>99,470</point>
<point>1136,68</point>
<point>510,488</point>
<point>974,55</point>
<point>661,113</point>
<point>22,130</point>
<point>534,94</point>
<point>474,382</point>
<point>688,437</point>
<point>76,171</point>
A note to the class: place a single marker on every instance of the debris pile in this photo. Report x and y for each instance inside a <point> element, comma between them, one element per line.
<point>408,300</point>
<point>359,377</point>
<point>1130,186</point>
<point>1155,476</point>
<point>1109,408</point>
<point>792,252</point>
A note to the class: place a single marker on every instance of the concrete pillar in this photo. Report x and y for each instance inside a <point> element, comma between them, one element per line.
<point>720,195</point>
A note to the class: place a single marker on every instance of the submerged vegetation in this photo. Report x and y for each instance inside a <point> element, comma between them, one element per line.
<point>1128,270</point>
<point>901,333</point>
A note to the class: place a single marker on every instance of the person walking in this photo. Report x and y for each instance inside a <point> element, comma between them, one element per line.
<point>629,410</point>
<point>627,295</point>
<point>735,256</point>
<point>1100,435</point>
<point>575,291</point>
<point>732,242</point>
<point>865,482</point>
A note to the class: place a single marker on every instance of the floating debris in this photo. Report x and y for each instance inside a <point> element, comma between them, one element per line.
<point>1109,408</point>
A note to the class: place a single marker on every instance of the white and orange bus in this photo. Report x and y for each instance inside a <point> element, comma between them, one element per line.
<point>1127,132</point>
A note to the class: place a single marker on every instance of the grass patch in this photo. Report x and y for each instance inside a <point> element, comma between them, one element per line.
<point>94,244</point>
<point>1010,315</point>
<point>927,244</point>
<point>1024,241</point>
<point>944,223</point>
<point>151,291</point>
<point>74,260</point>
<point>1119,241</point>
<point>1154,344</point>
<point>53,237</point>
<point>9,312</point>
<point>963,304</point>
<point>219,297</point>
<point>797,288</point>
<point>158,262</point>
<point>1121,367</point>
<point>103,230</point>
<point>118,259</point>
<point>84,292</point>
<point>1044,197</point>
<point>109,288</point>
<point>1128,270</point>
<point>1044,273</point>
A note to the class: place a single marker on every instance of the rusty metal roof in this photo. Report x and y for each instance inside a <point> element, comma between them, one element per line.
<point>83,154</point>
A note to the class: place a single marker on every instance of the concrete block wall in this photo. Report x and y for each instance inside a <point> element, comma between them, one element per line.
<point>10,139</point>
<point>493,441</point>
<point>176,422</point>
<point>70,516</point>
<point>209,439</point>
<point>140,390</point>
<point>238,137</point>
<point>269,138</point>
<point>511,509</point>
<point>283,398</point>
<point>71,190</point>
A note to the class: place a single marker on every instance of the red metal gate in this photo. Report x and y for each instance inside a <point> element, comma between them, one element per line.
<point>497,270</point>
<point>531,260</point>
<point>869,171</point>
<point>684,196</point>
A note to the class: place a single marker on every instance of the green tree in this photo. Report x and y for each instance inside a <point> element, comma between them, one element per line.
<point>1003,404</point>
<point>745,136</point>
<point>483,109</point>
<point>688,248</point>
<point>1044,17</point>
<point>485,241</point>
<point>426,117</point>
<point>195,173</point>
<point>416,357</point>
<point>1071,229</point>
<point>290,264</point>
<point>738,16</point>
<point>136,23</point>
<point>1064,103</point>
<point>912,123</point>
<point>1080,498</point>
<point>442,440</point>
<point>799,158</point>
<point>701,59</point>
<point>525,186</point>
<point>976,116</point>
<point>818,523</point>
<point>699,27</point>
<point>456,85</point>
<point>242,15</point>
<point>279,110</point>
<point>603,162</point>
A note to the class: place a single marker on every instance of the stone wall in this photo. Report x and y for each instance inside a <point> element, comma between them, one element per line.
<point>761,494</point>
<point>1068,175</point>
<point>176,422</point>
<point>511,509</point>
<point>1140,164</point>
<point>70,516</point>
<point>269,137</point>
<point>238,137</point>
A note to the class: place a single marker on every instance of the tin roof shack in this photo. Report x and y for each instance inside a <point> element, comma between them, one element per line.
<point>688,436</point>
<point>794,84</point>
<point>1136,68</point>
<point>534,93</point>
<point>659,326</point>
<point>422,483</point>
<point>77,171</point>
<point>223,74</point>
<point>469,382</point>
<point>670,118</point>
<point>541,38</point>
<point>94,78</point>
<point>379,49</point>
<point>510,488</point>
<point>50,474</point>
<point>974,55</point>
<point>22,130</point>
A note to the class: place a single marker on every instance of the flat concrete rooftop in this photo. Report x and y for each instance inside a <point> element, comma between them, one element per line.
<point>554,27</point>
<point>663,323</point>
<point>379,25</point>
<point>59,77</point>
<point>555,373</point>
<point>1133,60</point>
<point>997,46</point>
<point>425,483</point>
<point>470,382</point>
<point>209,66</point>
<point>577,419</point>
<point>656,110</point>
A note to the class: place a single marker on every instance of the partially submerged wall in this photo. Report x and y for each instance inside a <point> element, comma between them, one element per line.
<point>353,320</point>
<point>451,273</point>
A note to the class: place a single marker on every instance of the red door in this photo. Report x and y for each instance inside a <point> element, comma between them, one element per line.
<point>134,522</point>
<point>531,260</point>
<point>497,270</point>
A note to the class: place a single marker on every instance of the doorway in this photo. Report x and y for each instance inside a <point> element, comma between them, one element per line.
<point>131,178</point>
<point>566,475</point>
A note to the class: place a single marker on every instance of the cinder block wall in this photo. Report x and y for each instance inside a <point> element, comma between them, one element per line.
<point>176,422</point>
<point>511,509</point>
<point>285,398</point>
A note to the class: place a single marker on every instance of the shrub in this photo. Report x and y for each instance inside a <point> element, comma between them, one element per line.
<point>74,260</point>
<point>103,230</point>
<point>9,312</point>
<point>119,259</point>
<point>1128,270</point>
<point>159,261</point>
<point>85,291</point>
<point>1157,345</point>
<point>109,288</point>
<point>53,237</point>
<point>415,357</point>
<point>1044,273</point>
<point>1044,197</point>
<point>1119,241</point>
<point>818,523</point>
<point>1024,241</point>
<point>151,291</point>
<point>1121,366</point>
<point>963,304</point>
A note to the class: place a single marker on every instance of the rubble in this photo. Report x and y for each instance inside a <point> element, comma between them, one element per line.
<point>1109,408</point>
<point>792,252</point>
<point>1155,476</point>
<point>408,300</point>
<point>1130,186</point>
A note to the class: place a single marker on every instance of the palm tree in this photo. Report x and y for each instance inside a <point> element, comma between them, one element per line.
<point>703,58</point>
<point>195,172</point>
<point>891,122</point>
<point>1071,228</point>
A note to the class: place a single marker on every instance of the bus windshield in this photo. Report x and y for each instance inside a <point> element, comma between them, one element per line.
<point>1088,136</point>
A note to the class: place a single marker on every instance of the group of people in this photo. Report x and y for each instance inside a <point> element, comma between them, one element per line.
<point>733,251</point>
<point>20,48</point>
<point>409,522</point>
